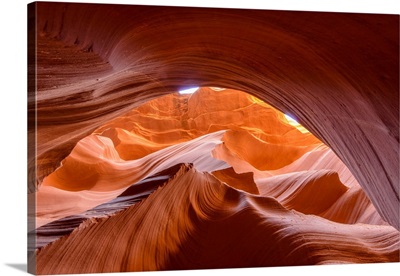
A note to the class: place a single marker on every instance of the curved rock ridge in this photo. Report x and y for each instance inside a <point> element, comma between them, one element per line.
<point>135,193</point>
<point>336,73</point>
<point>243,181</point>
<point>94,172</point>
<point>129,175</point>
<point>195,221</point>
<point>139,136</point>
<point>176,118</point>
<point>264,155</point>
<point>258,192</point>
<point>322,166</point>
<point>310,192</point>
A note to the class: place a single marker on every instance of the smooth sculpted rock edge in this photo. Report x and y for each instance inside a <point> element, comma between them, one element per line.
<point>127,174</point>
<point>196,222</point>
<point>337,73</point>
<point>98,205</point>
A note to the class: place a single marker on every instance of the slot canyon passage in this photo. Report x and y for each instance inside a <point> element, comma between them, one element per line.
<point>127,174</point>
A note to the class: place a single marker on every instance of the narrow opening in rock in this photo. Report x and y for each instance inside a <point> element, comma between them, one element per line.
<point>188,90</point>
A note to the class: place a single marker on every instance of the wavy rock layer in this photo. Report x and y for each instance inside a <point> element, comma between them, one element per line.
<point>94,172</point>
<point>134,194</point>
<point>337,73</point>
<point>211,225</point>
<point>258,192</point>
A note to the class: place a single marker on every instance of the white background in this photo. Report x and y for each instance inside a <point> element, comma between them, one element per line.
<point>13,132</point>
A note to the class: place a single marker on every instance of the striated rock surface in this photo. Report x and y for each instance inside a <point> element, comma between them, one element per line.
<point>211,225</point>
<point>336,73</point>
<point>255,191</point>
<point>126,180</point>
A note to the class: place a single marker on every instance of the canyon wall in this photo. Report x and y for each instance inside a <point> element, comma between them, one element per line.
<point>335,73</point>
<point>204,181</point>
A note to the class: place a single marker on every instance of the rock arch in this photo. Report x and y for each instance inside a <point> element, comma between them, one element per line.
<point>337,73</point>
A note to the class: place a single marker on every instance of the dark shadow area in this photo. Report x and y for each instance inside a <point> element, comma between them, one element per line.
<point>21,267</point>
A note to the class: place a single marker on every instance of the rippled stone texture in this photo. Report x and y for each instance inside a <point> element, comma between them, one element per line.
<point>164,208</point>
<point>338,74</point>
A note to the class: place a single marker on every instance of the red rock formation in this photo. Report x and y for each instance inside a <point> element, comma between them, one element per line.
<point>210,225</point>
<point>92,165</point>
<point>95,177</point>
<point>243,181</point>
<point>337,74</point>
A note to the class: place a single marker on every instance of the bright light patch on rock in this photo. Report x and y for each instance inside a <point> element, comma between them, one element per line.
<point>296,124</point>
<point>188,91</point>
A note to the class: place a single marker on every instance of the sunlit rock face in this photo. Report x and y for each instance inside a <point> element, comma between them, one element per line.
<point>99,135</point>
<point>204,181</point>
